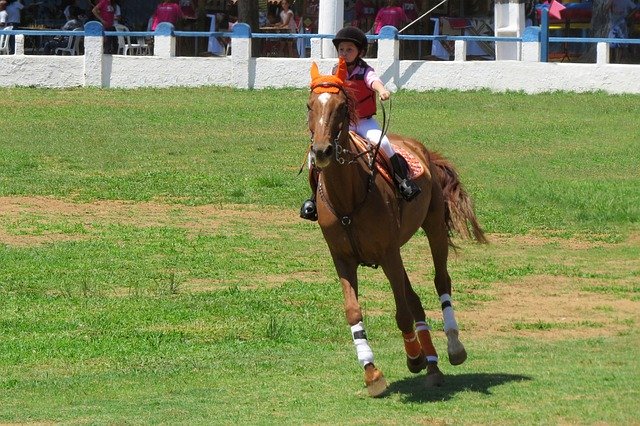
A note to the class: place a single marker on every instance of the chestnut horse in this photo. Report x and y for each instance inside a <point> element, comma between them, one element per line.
<point>365,222</point>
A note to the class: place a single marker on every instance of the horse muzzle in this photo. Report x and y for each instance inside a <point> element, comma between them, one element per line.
<point>321,155</point>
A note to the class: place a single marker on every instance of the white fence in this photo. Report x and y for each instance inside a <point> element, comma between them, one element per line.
<point>241,70</point>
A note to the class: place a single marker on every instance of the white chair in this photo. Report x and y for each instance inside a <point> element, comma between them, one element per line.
<point>72,47</point>
<point>4,42</point>
<point>126,47</point>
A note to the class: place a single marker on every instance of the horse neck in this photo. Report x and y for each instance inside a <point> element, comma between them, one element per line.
<point>346,184</point>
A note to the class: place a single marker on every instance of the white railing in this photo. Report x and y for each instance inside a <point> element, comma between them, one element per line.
<point>240,69</point>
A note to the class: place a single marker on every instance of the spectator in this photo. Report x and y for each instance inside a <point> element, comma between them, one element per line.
<point>188,8</point>
<point>14,12</point>
<point>73,23</point>
<point>167,11</point>
<point>392,15</point>
<point>68,4</point>
<point>117,18</point>
<point>3,13</point>
<point>410,9</point>
<point>619,10</point>
<point>105,11</point>
<point>288,20</point>
<point>365,15</point>
<point>287,17</point>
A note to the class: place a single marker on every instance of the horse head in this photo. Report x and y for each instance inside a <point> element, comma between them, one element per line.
<point>330,108</point>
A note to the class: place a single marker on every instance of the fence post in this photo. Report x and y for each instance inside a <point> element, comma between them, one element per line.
<point>603,53</point>
<point>531,44</point>
<point>93,54</point>
<point>164,41</point>
<point>19,44</point>
<point>316,48</point>
<point>460,50</point>
<point>241,55</point>
<point>389,55</point>
<point>544,35</point>
<point>509,22</point>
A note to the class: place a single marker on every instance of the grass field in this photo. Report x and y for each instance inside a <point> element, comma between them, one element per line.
<point>153,268</point>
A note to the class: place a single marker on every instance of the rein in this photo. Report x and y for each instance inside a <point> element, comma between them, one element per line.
<point>346,220</point>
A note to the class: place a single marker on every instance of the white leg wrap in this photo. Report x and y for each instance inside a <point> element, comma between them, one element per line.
<point>364,352</point>
<point>447,313</point>
<point>421,325</point>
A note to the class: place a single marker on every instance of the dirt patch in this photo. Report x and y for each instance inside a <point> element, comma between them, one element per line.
<point>551,307</point>
<point>196,219</point>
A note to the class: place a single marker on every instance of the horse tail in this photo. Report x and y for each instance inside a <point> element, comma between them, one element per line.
<point>459,212</point>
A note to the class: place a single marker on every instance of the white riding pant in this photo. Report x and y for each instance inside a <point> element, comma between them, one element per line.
<point>368,128</point>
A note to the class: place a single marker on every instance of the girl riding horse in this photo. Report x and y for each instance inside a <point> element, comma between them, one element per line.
<point>351,44</point>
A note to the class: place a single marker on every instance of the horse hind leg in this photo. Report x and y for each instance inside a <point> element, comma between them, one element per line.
<point>437,233</point>
<point>421,353</point>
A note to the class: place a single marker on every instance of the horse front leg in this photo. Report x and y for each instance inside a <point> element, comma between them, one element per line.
<point>373,378</point>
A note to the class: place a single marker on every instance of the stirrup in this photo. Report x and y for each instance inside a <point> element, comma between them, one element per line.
<point>408,189</point>
<point>308,210</point>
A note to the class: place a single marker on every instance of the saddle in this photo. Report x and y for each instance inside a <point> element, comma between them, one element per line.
<point>383,165</point>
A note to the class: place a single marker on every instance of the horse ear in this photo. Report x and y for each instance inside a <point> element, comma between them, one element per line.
<point>341,71</point>
<point>314,71</point>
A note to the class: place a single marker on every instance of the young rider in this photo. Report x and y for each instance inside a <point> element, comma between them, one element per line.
<point>351,44</point>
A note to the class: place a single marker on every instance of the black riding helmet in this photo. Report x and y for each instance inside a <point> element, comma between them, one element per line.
<point>354,35</point>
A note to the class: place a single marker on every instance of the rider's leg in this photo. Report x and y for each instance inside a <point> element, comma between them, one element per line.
<point>369,129</point>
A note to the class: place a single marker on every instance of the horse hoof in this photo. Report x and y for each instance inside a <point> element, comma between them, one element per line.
<point>455,348</point>
<point>458,358</point>
<point>375,381</point>
<point>418,364</point>
<point>434,376</point>
<point>377,387</point>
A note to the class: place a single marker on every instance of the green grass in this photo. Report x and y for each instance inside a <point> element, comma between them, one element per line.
<point>165,277</point>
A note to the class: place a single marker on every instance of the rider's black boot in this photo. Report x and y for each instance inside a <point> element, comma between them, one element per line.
<point>308,210</point>
<point>407,188</point>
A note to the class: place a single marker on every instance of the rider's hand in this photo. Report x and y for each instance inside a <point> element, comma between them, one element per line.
<point>384,95</point>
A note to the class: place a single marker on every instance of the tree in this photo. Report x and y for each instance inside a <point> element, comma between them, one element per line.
<point>599,28</point>
<point>248,13</point>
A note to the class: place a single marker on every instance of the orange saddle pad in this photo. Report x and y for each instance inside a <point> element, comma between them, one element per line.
<point>383,165</point>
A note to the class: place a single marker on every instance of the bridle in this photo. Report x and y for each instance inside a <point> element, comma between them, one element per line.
<point>338,149</point>
<point>340,153</point>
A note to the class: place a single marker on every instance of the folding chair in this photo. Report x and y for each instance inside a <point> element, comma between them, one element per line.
<point>126,47</point>
<point>72,47</point>
<point>4,42</point>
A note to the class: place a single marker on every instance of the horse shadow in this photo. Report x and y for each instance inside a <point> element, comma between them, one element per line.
<point>414,389</point>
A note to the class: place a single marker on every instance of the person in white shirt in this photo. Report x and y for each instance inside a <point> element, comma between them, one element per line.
<point>3,13</point>
<point>287,20</point>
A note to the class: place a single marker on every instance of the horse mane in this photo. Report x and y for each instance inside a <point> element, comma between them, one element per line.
<point>350,95</point>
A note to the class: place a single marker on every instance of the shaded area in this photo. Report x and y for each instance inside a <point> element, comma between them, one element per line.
<point>413,389</point>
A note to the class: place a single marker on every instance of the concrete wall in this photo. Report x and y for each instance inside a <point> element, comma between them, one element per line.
<point>243,71</point>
